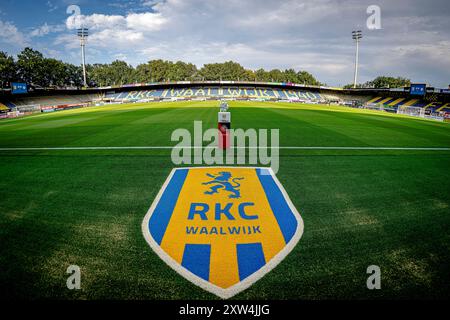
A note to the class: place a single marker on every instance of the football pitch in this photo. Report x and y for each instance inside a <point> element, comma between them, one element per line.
<point>361,204</point>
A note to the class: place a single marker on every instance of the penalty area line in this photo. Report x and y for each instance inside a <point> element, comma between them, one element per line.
<point>209,147</point>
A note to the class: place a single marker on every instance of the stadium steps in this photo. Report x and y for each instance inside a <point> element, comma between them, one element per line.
<point>420,104</point>
<point>374,99</point>
<point>446,106</point>
<point>431,106</point>
<point>396,102</point>
<point>3,107</point>
<point>410,103</point>
<point>9,104</point>
<point>385,100</point>
<point>54,101</point>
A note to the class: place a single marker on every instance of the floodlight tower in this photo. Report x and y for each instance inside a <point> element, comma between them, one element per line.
<point>83,33</point>
<point>356,35</point>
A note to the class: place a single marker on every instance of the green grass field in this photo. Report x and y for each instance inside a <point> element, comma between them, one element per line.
<point>360,207</point>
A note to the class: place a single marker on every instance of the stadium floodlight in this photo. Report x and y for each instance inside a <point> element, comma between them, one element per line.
<point>83,33</point>
<point>356,35</point>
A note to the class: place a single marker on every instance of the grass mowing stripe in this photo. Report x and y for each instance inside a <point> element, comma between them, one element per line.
<point>204,147</point>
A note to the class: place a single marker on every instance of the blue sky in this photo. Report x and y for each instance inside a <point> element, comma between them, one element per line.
<point>312,35</point>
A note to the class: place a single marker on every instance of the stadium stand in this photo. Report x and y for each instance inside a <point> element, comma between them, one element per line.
<point>377,99</point>
<point>216,92</point>
<point>436,106</point>
<point>3,108</point>
<point>52,100</point>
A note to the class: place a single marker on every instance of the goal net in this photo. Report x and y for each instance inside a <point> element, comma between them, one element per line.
<point>411,111</point>
<point>29,108</point>
<point>374,106</point>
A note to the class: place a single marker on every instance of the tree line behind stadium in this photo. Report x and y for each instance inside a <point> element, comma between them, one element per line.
<point>31,67</point>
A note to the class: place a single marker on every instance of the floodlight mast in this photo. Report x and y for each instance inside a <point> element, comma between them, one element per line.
<point>83,33</point>
<point>356,35</point>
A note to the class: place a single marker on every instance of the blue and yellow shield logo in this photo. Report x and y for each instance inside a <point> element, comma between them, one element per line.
<point>222,228</point>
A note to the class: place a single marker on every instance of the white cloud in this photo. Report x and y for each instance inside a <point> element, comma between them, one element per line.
<point>115,38</point>
<point>11,35</point>
<point>313,35</point>
<point>121,56</point>
<point>41,31</point>
<point>46,29</point>
<point>145,21</point>
<point>95,21</point>
<point>114,31</point>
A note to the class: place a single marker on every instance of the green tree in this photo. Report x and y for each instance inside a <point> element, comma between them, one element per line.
<point>73,75</point>
<point>156,71</point>
<point>143,73</point>
<point>53,73</point>
<point>180,71</point>
<point>382,82</point>
<point>159,70</point>
<point>262,75</point>
<point>8,69</point>
<point>30,66</point>
<point>275,75</point>
<point>304,77</point>
<point>249,75</point>
<point>116,73</point>
<point>226,71</point>
<point>389,82</point>
<point>290,75</point>
<point>120,72</point>
<point>98,74</point>
<point>358,85</point>
<point>212,71</point>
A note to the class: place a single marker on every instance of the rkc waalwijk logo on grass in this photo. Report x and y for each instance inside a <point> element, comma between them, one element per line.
<point>222,228</point>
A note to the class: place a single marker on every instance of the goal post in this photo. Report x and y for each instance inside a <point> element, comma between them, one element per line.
<point>29,108</point>
<point>411,111</point>
<point>374,106</point>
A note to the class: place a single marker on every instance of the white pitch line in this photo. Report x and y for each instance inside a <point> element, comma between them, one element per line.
<point>198,147</point>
